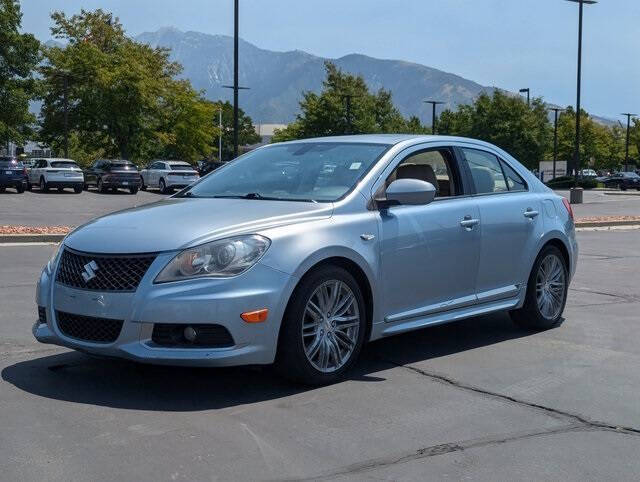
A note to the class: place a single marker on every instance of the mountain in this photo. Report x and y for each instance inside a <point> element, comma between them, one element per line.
<point>277,79</point>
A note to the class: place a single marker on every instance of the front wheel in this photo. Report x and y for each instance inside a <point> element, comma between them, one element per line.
<point>43,185</point>
<point>133,190</point>
<point>100,185</point>
<point>546,292</point>
<point>323,329</point>
<point>20,188</point>
<point>143,186</point>
<point>78,189</point>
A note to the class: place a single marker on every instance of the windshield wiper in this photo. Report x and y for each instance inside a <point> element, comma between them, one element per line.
<point>257,195</point>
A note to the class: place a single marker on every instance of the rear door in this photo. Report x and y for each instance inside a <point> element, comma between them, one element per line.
<point>510,224</point>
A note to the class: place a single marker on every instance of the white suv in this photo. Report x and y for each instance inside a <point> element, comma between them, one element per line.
<point>56,173</point>
<point>168,175</point>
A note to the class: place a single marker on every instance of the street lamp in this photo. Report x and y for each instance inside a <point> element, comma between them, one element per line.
<point>626,154</point>
<point>433,103</point>
<point>576,193</point>
<point>528,91</point>
<point>555,137</point>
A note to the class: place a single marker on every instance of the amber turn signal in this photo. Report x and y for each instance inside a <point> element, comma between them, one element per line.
<point>257,316</point>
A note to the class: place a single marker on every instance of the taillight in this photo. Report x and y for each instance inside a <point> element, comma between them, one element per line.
<point>567,205</point>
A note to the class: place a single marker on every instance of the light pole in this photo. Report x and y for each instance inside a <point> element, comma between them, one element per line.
<point>235,85</point>
<point>626,151</point>
<point>576,193</point>
<point>220,133</point>
<point>528,91</point>
<point>555,137</point>
<point>433,103</point>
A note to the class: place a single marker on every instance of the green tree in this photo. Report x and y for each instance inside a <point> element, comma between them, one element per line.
<point>246,131</point>
<point>123,98</point>
<point>326,113</point>
<point>504,120</point>
<point>18,59</point>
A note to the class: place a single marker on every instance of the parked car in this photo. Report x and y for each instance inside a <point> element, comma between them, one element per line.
<point>622,181</point>
<point>206,166</point>
<point>303,270</point>
<point>112,174</point>
<point>54,173</point>
<point>168,175</point>
<point>588,174</point>
<point>12,174</point>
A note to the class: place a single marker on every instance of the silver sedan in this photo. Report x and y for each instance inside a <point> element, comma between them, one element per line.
<point>299,253</point>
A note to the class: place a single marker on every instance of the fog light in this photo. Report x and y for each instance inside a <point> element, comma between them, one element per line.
<point>190,334</point>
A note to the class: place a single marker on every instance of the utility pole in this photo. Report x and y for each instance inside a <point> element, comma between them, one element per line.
<point>65,82</point>
<point>236,88</point>
<point>528,91</point>
<point>575,193</point>
<point>555,138</point>
<point>433,103</point>
<point>220,133</point>
<point>347,98</point>
<point>626,153</point>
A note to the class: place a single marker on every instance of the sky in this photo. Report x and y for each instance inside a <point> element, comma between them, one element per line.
<point>510,44</point>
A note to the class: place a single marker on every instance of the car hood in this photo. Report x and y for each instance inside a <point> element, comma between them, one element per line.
<point>177,223</point>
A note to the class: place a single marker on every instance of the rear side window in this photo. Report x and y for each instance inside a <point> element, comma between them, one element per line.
<point>61,164</point>
<point>514,181</point>
<point>486,171</point>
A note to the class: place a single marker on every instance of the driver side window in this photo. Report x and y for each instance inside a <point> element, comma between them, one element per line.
<point>435,166</point>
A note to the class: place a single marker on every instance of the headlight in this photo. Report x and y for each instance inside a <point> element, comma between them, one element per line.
<point>219,259</point>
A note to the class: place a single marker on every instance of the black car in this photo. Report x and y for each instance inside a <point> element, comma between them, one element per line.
<point>112,174</point>
<point>12,174</point>
<point>623,181</point>
<point>205,166</point>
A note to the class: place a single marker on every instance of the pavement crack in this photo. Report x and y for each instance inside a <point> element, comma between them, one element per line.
<point>578,419</point>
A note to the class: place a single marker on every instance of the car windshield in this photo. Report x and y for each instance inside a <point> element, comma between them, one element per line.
<point>66,164</point>
<point>181,167</point>
<point>308,171</point>
<point>12,164</point>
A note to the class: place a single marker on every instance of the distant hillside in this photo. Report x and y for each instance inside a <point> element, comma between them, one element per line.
<point>277,79</point>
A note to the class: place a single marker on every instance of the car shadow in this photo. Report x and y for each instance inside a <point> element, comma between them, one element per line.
<point>53,190</point>
<point>79,378</point>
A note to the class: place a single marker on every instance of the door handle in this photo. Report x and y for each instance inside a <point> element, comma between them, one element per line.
<point>530,213</point>
<point>468,222</point>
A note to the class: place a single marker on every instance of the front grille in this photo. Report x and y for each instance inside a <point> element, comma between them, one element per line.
<point>110,272</point>
<point>88,328</point>
<point>208,336</point>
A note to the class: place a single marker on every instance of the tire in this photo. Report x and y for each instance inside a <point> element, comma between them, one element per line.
<point>60,189</point>
<point>2,189</point>
<point>20,188</point>
<point>78,189</point>
<point>292,361</point>
<point>29,186</point>
<point>43,185</point>
<point>100,186</point>
<point>163,187</point>
<point>143,187</point>
<point>133,190</point>
<point>531,315</point>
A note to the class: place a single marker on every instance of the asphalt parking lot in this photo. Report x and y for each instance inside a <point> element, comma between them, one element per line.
<point>66,208</point>
<point>479,399</point>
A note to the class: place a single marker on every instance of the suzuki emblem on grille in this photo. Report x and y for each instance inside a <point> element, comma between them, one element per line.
<point>89,271</point>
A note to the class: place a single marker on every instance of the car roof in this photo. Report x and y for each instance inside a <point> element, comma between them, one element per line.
<point>52,159</point>
<point>176,162</point>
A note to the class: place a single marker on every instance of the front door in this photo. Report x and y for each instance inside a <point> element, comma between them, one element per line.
<point>429,253</point>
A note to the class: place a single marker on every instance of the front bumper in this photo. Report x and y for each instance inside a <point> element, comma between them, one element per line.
<point>215,301</point>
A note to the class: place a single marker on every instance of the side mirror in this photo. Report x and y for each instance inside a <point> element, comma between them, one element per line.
<point>408,192</point>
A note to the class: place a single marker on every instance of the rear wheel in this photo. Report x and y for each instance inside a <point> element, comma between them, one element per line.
<point>163,186</point>
<point>143,187</point>
<point>133,190</point>
<point>43,185</point>
<point>101,188</point>
<point>546,292</point>
<point>323,328</point>
<point>78,189</point>
<point>20,188</point>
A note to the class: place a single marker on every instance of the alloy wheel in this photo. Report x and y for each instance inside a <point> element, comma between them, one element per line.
<point>550,287</point>
<point>330,326</point>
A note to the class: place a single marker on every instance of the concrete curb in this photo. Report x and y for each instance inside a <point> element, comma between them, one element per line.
<point>31,238</point>
<point>604,224</point>
<point>622,193</point>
